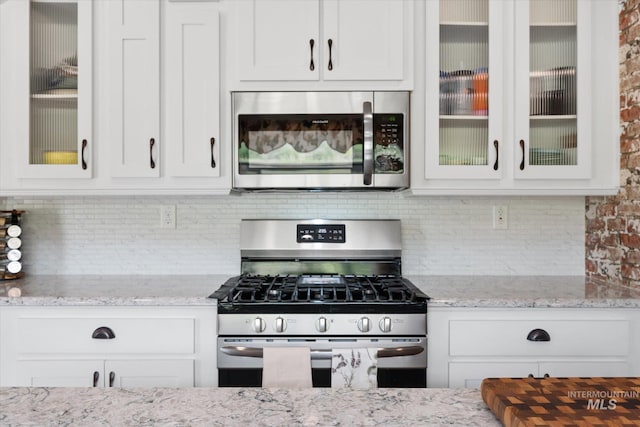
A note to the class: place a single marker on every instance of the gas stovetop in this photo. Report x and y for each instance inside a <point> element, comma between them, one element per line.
<point>319,293</point>
<point>320,266</point>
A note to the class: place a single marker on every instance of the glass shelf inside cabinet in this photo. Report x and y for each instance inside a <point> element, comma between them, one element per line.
<point>464,82</point>
<point>54,83</point>
<point>553,94</point>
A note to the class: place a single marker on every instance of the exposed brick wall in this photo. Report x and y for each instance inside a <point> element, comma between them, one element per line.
<point>613,223</point>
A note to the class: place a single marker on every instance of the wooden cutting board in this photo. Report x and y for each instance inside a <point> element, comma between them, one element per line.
<point>519,402</point>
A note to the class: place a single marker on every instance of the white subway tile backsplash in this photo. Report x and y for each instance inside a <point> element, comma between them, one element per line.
<point>441,235</point>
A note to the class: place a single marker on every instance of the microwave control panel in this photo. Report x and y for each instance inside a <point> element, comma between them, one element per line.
<point>388,129</point>
<point>321,233</point>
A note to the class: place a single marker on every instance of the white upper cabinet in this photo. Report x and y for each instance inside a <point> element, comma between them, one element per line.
<point>278,39</point>
<point>48,80</point>
<point>192,88</point>
<point>520,97</point>
<point>147,118</point>
<point>134,72</point>
<point>552,96</point>
<point>465,62</point>
<point>325,40</point>
<point>363,40</point>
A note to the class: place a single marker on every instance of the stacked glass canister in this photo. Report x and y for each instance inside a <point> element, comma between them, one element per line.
<point>10,245</point>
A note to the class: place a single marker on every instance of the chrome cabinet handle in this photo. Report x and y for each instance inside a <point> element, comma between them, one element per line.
<point>112,377</point>
<point>324,354</point>
<point>330,65</point>
<point>311,64</point>
<point>368,143</point>
<point>84,147</point>
<point>96,377</point>
<point>495,165</point>
<point>538,335</point>
<point>522,148</point>
<point>103,333</point>
<point>213,160</point>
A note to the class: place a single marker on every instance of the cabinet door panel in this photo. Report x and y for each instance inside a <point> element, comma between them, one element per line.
<point>552,75</point>
<point>367,39</point>
<point>149,373</point>
<point>59,373</point>
<point>471,374</point>
<point>192,88</point>
<point>468,76</point>
<point>585,369</point>
<point>274,39</point>
<point>134,70</point>
<point>55,123</point>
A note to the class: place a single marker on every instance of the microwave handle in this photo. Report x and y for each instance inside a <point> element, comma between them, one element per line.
<point>324,354</point>
<point>367,114</point>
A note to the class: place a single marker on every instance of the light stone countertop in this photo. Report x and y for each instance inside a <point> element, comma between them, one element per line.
<point>445,291</point>
<point>243,407</point>
<point>524,291</point>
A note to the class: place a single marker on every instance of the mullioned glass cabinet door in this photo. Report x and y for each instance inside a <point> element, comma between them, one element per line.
<point>58,90</point>
<point>552,75</point>
<point>465,69</point>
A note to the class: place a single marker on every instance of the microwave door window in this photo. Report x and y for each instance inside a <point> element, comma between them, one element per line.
<point>300,144</point>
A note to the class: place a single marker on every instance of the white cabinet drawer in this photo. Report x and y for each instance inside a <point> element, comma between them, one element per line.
<point>73,335</point>
<point>567,338</point>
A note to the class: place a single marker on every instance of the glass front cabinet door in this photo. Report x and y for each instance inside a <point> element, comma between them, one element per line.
<point>465,70</point>
<point>503,90</point>
<point>552,75</point>
<point>56,106</point>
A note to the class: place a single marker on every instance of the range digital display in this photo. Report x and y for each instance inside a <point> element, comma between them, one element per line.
<point>321,233</point>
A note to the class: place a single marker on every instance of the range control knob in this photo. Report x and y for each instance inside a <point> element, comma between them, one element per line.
<point>259,325</point>
<point>385,324</point>
<point>364,324</point>
<point>281,324</point>
<point>322,325</point>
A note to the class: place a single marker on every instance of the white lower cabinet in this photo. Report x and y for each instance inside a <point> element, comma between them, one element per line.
<point>105,373</point>
<point>471,374</point>
<point>108,346</point>
<point>467,345</point>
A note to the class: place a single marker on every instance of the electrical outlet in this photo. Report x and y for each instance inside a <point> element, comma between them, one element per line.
<point>500,217</point>
<point>168,216</point>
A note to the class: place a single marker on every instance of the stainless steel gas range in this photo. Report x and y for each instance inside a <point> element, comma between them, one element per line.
<point>326,285</point>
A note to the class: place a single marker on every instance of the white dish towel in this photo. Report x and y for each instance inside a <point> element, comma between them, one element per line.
<point>355,368</point>
<point>286,367</point>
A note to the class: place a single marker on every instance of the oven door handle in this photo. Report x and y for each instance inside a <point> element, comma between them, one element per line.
<point>367,162</point>
<point>324,354</point>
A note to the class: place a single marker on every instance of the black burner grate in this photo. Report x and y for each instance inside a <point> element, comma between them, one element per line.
<point>260,289</point>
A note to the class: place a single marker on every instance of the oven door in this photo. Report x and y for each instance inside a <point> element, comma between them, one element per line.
<point>316,140</point>
<point>402,362</point>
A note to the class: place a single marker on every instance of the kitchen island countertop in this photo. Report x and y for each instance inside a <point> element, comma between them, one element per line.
<point>445,291</point>
<point>240,406</point>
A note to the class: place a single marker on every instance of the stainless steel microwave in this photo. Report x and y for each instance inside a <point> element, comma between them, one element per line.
<point>320,140</point>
